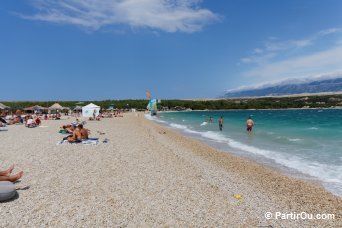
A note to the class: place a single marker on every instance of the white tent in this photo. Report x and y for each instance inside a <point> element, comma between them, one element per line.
<point>88,110</point>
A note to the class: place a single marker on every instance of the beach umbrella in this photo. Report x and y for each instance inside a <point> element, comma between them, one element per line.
<point>35,108</point>
<point>2,106</point>
<point>78,108</point>
<point>56,106</point>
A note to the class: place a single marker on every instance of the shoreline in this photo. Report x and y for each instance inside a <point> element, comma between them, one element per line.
<point>273,109</point>
<point>237,145</point>
<point>280,182</point>
<point>148,175</point>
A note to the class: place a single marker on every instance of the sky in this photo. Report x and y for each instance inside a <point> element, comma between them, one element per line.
<point>118,49</point>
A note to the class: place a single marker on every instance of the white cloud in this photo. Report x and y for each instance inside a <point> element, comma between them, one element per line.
<point>329,31</point>
<point>310,63</point>
<point>164,15</point>
<point>274,47</point>
<point>258,51</point>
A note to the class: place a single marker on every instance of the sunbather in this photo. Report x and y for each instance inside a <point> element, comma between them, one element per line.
<point>83,131</point>
<point>6,175</point>
<point>78,134</point>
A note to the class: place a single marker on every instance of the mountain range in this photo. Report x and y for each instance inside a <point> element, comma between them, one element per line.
<point>289,88</point>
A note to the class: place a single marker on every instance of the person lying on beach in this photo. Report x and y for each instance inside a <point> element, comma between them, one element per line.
<point>3,121</point>
<point>6,175</point>
<point>68,128</point>
<point>37,121</point>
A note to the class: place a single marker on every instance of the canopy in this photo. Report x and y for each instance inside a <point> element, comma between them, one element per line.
<point>90,109</point>
<point>2,106</point>
<point>36,107</point>
<point>56,106</point>
<point>78,108</point>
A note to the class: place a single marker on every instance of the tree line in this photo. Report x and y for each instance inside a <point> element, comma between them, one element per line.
<point>242,103</point>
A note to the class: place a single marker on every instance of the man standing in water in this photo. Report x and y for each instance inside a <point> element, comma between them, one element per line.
<point>210,119</point>
<point>221,123</point>
<point>250,124</point>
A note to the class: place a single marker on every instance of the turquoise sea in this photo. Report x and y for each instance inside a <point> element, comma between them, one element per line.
<point>304,143</point>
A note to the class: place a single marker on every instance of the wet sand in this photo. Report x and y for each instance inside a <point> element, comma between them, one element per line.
<point>148,175</point>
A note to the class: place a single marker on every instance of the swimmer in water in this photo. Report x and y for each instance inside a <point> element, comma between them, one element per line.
<point>250,124</point>
<point>221,123</point>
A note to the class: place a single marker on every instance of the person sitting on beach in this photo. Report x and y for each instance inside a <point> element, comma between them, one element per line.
<point>75,137</point>
<point>37,121</point>
<point>6,175</point>
<point>83,131</point>
<point>250,124</point>
<point>29,122</point>
<point>78,134</point>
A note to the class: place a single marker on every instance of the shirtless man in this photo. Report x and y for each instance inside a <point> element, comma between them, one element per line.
<point>75,137</point>
<point>250,124</point>
<point>6,175</point>
<point>221,123</point>
<point>83,132</point>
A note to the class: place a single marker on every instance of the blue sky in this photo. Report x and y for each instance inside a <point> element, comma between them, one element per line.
<point>111,49</point>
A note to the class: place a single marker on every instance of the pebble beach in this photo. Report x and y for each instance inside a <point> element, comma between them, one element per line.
<point>148,175</point>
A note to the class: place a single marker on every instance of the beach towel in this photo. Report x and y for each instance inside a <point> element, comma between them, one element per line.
<point>62,131</point>
<point>90,141</point>
<point>7,191</point>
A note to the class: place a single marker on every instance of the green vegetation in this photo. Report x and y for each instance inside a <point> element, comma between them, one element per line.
<point>322,101</point>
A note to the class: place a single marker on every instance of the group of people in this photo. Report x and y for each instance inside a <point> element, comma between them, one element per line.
<point>9,119</point>
<point>249,123</point>
<point>77,133</point>
<point>52,116</point>
<point>31,121</point>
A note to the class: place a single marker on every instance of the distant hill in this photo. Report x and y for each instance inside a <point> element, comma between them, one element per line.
<point>317,86</point>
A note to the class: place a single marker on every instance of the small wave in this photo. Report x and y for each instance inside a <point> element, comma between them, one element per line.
<point>183,120</point>
<point>153,118</point>
<point>213,135</point>
<point>313,128</point>
<point>179,126</point>
<point>294,140</point>
<point>204,123</point>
